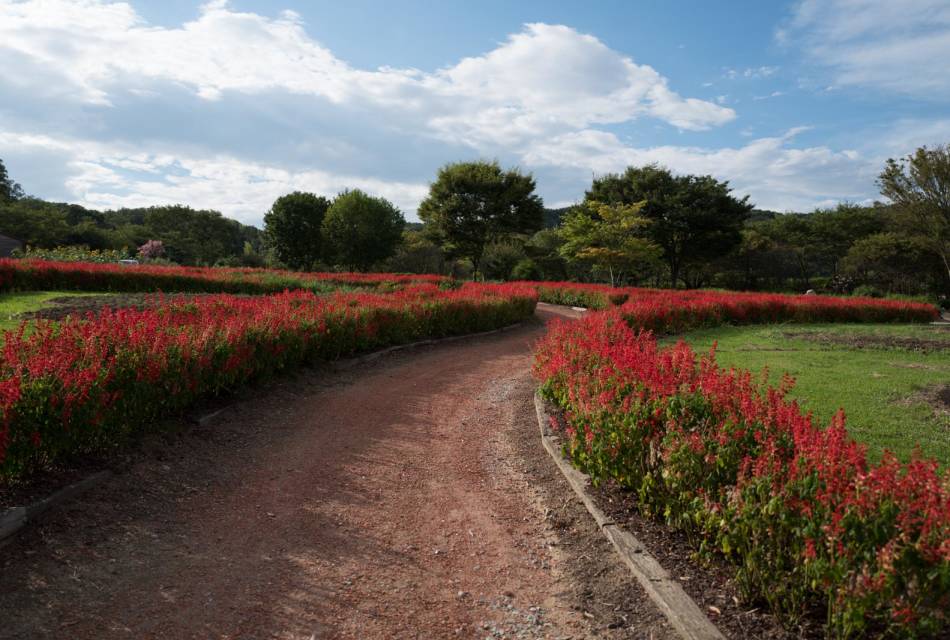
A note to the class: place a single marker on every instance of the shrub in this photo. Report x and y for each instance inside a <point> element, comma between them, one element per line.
<point>36,275</point>
<point>868,291</point>
<point>672,311</point>
<point>88,384</point>
<point>742,469</point>
<point>526,269</point>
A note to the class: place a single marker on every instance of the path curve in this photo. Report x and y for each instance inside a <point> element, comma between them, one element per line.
<point>407,498</point>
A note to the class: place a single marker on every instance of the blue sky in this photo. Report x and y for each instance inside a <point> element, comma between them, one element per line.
<point>227,105</point>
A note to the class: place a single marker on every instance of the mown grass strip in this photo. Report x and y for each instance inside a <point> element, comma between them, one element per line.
<point>887,378</point>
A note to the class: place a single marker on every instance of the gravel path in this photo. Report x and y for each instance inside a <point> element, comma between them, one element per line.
<point>406,498</point>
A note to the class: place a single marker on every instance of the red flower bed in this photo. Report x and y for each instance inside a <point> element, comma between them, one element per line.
<point>740,467</point>
<point>40,275</point>
<point>86,384</point>
<point>666,311</point>
<point>673,311</point>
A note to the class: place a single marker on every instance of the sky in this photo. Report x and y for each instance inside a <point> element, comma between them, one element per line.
<point>227,105</point>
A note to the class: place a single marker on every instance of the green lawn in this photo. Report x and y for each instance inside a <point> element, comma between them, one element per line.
<point>887,377</point>
<point>12,304</point>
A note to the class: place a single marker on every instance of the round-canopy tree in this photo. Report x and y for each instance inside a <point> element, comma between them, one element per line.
<point>471,204</point>
<point>293,226</point>
<point>693,219</point>
<point>360,230</point>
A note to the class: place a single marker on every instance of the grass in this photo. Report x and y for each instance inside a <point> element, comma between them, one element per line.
<point>886,388</point>
<point>15,303</point>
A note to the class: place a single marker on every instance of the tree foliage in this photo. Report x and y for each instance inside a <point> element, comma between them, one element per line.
<point>417,253</point>
<point>609,238</point>
<point>294,228</point>
<point>471,204</point>
<point>9,190</point>
<point>891,261</point>
<point>190,236</point>
<point>920,185</point>
<point>361,230</point>
<point>501,257</point>
<point>694,219</point>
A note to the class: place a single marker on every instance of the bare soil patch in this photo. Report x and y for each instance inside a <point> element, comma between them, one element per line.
<point>938,344</point>
<point>937,396</point>
<point>63,306</point>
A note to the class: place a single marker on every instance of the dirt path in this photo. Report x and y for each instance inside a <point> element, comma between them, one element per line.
<point>407,498</point>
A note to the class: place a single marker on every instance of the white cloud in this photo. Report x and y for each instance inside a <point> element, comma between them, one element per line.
<point>750,72</point>
<point>774,94</point>
<point>300,117</point>
<point>893,46</point>
<point>542,77</point>
<point>105,176</point>
<point>771,171</point>
<point>234,108</point>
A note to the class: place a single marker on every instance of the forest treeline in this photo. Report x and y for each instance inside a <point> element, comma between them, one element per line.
<point>645,226</point>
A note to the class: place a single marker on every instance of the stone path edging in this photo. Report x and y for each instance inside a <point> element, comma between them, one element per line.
<point>681,610</point>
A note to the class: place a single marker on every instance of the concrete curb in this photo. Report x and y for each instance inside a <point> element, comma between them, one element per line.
<point>18,517</point>
<point>682,611</point>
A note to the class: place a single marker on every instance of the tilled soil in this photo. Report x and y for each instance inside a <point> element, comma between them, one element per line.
<point>938,344</point>
<point>407,498</point>
<point>59,308</point>
<point>81,306</point>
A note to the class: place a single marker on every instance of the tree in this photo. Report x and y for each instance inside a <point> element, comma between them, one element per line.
<point>543,249</point>
<point>608,236</point>
<point>192,236</point>
<point>920,185</point>
<point>34,222</point>
<point>152,250</point>
<point>893,262</point>
<point>9,190</point>
<point>835,230</point>
<point>471,204</point>
<point>360,230</point>
<point>694,219</point>
<point>501,257</point>
<point>294,227</point>
<point>795,233</point>
<point>416,254</point>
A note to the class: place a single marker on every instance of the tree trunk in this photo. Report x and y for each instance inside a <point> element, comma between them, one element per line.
<point>674,271</point>
<point>946,262</point>
<point>476,260</point>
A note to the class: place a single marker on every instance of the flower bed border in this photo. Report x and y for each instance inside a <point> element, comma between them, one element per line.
<point>680,609</point>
